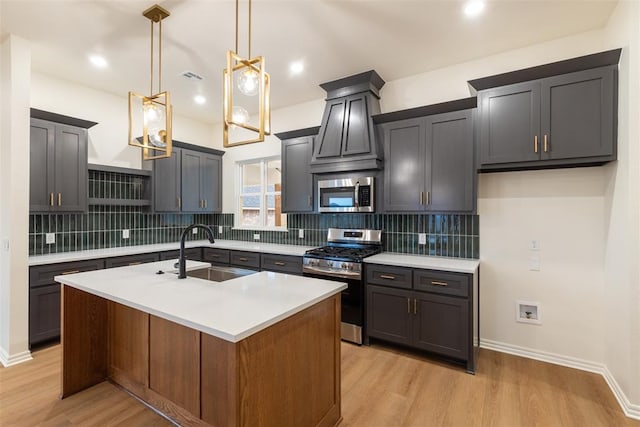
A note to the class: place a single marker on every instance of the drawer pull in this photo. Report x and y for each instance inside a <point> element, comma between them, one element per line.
<point>535,144</point>
<point>436,283</point>
<point>135,263</point>
<point>280,263</point>
<point>214,255</point>
<point>408,305</point>
<point>243,259</point>
<point>51,199</point>
<point>415,306</point>
<point>59,199</point>
<point>387,276</point>
<point>71,272</point>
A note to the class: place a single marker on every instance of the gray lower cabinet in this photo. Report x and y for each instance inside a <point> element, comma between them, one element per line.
<point>429,163</point>
<point>250,260</point>
<point>297,180</point>
<point>123,261</point>
<point>44,297</point>
<point>423,309</point>
<point>564,120</point>
<point>58,167</point>
<point>188,181</point>
<point>215,256</point>
<point>194,254</point>
<point>281,263</point>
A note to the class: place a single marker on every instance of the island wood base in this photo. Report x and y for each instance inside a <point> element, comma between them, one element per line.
<point>285,375</point>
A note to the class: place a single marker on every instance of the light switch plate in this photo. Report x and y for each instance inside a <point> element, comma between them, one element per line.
<point>256,237</point>
<point>534,263</point>
<point>534,245</point>
<point>219,229</point>
<point>422,238</point>
<point>5,244</point>
<point>125,233</point>
<point>301,233</point>
<point>50,238</point>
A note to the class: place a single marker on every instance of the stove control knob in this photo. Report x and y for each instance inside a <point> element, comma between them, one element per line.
<point>344,266</point>
<point>350,266</point>
<point>330,263</point>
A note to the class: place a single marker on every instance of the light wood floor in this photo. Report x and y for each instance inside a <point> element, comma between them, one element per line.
<point>380,387</point>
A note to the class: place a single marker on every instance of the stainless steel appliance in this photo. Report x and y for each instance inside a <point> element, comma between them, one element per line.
<point>346,195</point>
<point>341,260</point>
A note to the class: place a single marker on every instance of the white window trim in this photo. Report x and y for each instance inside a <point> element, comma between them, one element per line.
<point>263,194</point>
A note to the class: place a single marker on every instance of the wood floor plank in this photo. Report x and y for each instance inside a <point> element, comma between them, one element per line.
<point>382,386</point>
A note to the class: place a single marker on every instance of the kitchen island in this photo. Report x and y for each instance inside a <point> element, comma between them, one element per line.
<point>261,349</point>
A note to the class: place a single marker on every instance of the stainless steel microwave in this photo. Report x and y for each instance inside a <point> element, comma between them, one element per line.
<point>346,195</point>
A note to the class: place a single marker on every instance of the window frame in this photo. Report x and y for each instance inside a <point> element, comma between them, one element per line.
<point>263,194</point>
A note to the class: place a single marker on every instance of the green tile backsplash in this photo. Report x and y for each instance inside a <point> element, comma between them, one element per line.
<point>447,235</point>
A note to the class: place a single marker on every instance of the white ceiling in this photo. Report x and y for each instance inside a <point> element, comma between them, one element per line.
<point>334,39</point>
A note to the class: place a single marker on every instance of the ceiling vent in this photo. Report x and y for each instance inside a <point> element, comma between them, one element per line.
<point>190,75</point>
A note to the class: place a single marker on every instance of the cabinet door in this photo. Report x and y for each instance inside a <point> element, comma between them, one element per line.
<point>41,142</point>
<point>44,313</point>
<point>389,314</point>
<point>509,123</point>
<point>191,190</point>
<point>166,186</point>
<point>450,173</point>
<point>70,159</point>
<point>297,181</point>
<point>442,325</point>
<point>404,170</point>
<point>211,182</point>
<point>578,114</point>
<point>329,143</point>
<point>356,138</point>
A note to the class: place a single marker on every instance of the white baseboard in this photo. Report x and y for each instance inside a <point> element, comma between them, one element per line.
<point>631,410</point>
<point>13,359</point>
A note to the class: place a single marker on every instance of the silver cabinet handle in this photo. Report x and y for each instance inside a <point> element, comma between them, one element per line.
<point>436,283</point>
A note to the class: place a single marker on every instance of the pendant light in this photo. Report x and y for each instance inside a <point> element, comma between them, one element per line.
<point>156,109</point>
<point>249,79</point>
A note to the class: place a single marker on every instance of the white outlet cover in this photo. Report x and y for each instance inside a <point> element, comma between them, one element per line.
<point>219,229</point>
<point>534,263</point>
<point>422,238</point>
<point>194,231</point>
<point>301,233</point>
<point>534,245</point>
<point>50,238</point>
<point>125,233</point>
<point>256,237</point>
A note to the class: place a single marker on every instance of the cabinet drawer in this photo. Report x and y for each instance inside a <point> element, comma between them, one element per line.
<point>398,277</point>
<point>244,259</point>
<point>281,263</point>
<point>215,256</point>
<point>194,254</point>
<point>41,275</point>
<point>122,261</point>
<point>442,282</point>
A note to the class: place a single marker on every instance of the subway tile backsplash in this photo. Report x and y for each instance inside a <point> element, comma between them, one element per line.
<point>447,235</point>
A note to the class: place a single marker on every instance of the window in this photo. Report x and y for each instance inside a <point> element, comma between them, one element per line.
<point>259,200</point>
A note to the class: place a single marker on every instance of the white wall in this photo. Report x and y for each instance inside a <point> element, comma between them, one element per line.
<point>108,139</point>
<point>622,221</point>
<point>15,54</point>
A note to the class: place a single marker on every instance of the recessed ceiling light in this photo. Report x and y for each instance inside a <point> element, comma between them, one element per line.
<point>98,61</point>
<point>296,67</point>
<point>474,7</point>
<point>199,99</point>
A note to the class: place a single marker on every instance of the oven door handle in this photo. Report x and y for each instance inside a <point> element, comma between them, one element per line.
<point>344,275</point>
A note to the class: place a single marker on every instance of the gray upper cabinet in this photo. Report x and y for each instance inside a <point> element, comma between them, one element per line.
<point>297,180</point>
<point>58,167</point>
<point>188,181</point>
<point>555,115</point>
<point>167,177</point>
<point>429,163</point>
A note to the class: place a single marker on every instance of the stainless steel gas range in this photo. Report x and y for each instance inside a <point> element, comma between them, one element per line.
<point>341,260</point>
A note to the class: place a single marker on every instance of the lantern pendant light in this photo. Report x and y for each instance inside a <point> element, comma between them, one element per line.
<point>156,109</point>
<point>252,82</point>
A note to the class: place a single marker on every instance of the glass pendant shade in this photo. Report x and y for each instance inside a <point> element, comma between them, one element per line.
<point>155,121</point>
<point>240,115</point>
<point>248,82</point>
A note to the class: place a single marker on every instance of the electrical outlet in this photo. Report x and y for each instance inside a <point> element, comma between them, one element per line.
<point>534,245</point>
<point>5,244</point>
<point>534,263</point>
<point>125,233</point>
<point>256,236</point>
<point>219,229</point>
<point>422,238</point>
<point>50,238</point>
<point>301,233</point>
<point>194,231</point>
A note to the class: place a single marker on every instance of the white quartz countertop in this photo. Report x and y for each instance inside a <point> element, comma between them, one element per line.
<point>230,310</point>
<point>269,248</point>
<point>428,262</point>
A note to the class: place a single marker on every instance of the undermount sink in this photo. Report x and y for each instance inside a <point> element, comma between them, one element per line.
<point>217,273</point>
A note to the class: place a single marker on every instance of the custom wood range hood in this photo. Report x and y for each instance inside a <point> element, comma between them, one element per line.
<point>346,141</point>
